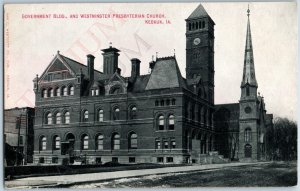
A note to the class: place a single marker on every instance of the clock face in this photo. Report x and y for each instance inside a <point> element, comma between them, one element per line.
<point>248,109</point>
<point>197,41</point>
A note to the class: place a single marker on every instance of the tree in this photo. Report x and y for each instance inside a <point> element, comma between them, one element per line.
<point>282,140</point>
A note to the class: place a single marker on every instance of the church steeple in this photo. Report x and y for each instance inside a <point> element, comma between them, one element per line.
<point>249,84</point>
<point>249,70</point>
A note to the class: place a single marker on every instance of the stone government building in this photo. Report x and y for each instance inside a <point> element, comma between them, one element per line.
<point>86,115</point>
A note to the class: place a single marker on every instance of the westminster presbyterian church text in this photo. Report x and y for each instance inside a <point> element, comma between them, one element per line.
<point>84,115</point>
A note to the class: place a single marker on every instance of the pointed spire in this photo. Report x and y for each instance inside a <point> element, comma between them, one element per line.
<point>198,12</point>
<point>249,70</point>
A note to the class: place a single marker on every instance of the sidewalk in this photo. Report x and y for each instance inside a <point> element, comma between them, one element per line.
<point>64,180</point>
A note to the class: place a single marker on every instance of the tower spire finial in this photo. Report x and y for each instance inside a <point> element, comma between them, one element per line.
<point>248,11</point>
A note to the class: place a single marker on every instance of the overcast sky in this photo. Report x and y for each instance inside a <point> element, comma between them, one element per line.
<point>32,43</point>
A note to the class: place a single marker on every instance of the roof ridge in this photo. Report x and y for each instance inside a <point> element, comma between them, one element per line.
<point>79,63</point>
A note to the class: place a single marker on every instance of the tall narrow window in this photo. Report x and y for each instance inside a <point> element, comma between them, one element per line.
<point>190,26</point>
<point>56,143</point>
<point>58,118</point>
<point>157,144</point>
<point>49,119</point>
<point>71,90</point>
<point>171,122</point>
<point>248,135</point>
<point>67,117</point>
<point>44,93</point>
<point>116,114</point>
<point>247,91</point>
<point>85,142</point>
<point>166,144</point>
<point>50,92</point>
<point>100,115</point>
<point>161,122</point>
<point>156,103</point>
<point>57,92</point>
<point>115,142</point>
<point>173,144</point>
<point>43,143</point>
<point>64,91</point>
<point>173,102</point>
<point>162,103</point>
<point>97,92</point>
<point>133,141</point>
<point>85,116</point>
<point>133,112</point>
<point>99,142</point>
<point>93,92</point>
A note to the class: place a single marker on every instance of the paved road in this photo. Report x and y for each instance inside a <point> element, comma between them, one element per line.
<point>64,180</point>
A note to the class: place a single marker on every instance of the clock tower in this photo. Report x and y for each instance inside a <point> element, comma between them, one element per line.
<point>200,49</point>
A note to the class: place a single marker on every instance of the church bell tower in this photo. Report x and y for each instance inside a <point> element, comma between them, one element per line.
<point>248,120</point>
<point>200,49</point>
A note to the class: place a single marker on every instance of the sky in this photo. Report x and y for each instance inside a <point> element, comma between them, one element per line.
<point>31,44</point>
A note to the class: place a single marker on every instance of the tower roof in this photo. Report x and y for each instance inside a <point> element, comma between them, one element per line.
<point>249,70</point>
<point>198,12</point>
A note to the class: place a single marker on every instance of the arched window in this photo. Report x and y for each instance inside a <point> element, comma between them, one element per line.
<point>100,115</point>
<point>162,102</point>
<point>85,116</point>
<point>71,90</point>
<point>58,118</point>
<point>56,143</point>
<point>85,142</point>
<point>99,142</point>
<point>57,92</point>
<point>43,143</point>
<point>132,141</point>
<point>64,91</point>
<point>167,102</point>
<point>50,92</point>
<point>49,119</point>
<point>161,122</point>
<point>156,103</point>
<point>248,135</point>
<point>44,93</point>
<point>116,90</point>
<point>171,122</point>
<point>115,142</point>
<point>133,112</point>
<point>67,117</point>
<point>116,114</point>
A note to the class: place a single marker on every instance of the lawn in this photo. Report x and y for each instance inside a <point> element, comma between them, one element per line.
<point>260,175</point>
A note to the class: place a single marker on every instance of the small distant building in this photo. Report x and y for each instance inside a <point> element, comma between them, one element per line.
<point>18,135</point>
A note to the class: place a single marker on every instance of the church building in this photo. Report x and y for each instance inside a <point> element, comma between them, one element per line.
<point>84,115</point>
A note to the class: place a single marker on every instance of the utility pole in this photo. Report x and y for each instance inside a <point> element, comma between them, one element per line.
<point>26,139</point>
<point>18,145</point>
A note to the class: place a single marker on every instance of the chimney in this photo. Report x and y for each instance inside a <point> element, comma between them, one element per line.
<point>90,65</point>
<point>110,60</point>
<point>151,65</point>
<point>135,67</point>
<point>119,71</point>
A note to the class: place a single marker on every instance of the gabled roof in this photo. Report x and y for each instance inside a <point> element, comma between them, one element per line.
<point>76,66</point>
<point>165,74</point>
<point>198,12</point>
